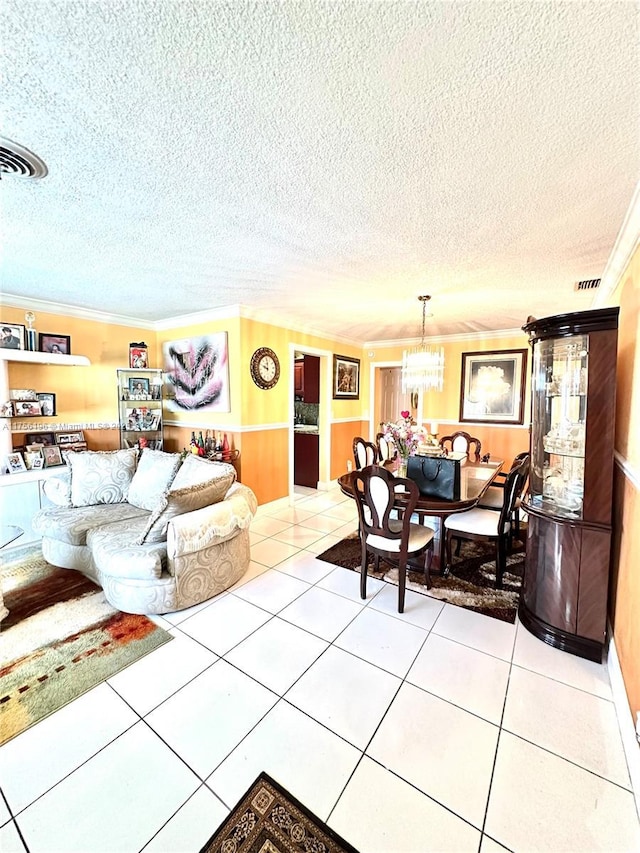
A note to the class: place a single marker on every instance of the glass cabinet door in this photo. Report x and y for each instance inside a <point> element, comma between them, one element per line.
<point>560,380</point>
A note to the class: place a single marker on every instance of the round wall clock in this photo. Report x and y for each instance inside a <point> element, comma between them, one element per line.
<point>265,368</point>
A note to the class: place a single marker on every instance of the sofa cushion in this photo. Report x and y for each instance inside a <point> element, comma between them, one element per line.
<point>71,524</point>
<point>197,484</point>
<point>154,475</point>
<point>101,477</point>
<point>58,489</point>
<point>115,551</point>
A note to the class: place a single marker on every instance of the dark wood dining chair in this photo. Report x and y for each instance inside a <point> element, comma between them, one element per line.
<point>487,524</point>
<point>387,449</point>
<point>493,498</point>
<point>394,540</point>
<point>364,452</point>
<point>462,442</point>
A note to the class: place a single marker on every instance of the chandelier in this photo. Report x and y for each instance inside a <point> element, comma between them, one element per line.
<point>423,366</point>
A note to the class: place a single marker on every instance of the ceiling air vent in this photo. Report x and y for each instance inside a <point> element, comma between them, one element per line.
<point>587,284</point>
<point>18,161</point>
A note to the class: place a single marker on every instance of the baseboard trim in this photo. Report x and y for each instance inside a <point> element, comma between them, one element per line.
<point>625,719</point>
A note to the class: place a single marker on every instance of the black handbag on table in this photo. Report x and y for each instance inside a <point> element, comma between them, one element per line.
<point>435,476</point>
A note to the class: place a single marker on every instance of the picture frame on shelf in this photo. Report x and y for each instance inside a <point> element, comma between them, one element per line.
<point>6,409</point>
<point>15,463</point>
<point>52,456</point>
<point>346,378</point>
<point>33,459</point>
<point>138,355</point>
<point>27,409</point>
<point>64,438</point>
<point>492,387</point>
<point>23,394</point>
<point>139,388</point>
<point>47,402</point>
<point>12,336</point>
<point>54,344</point>
<point>46,439</point>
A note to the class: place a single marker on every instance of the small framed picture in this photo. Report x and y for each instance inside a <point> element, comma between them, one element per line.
<point>6,409</point>
<point>63,438</point>
<point>15,463</point>
<point>33,459</point>
<point>139,388</point>
<point>27,409</point>
<point>23,394</point>
<point>47,403</point>
<point>44,438</point>
<point>52,456</point>
<point>54,344</point>
<point>12,336</point>
<point>346,378</point>
<point>138,356</point>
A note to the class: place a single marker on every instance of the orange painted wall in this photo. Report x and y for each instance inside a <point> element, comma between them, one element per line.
<point>624,603</point>
<point>342,435</point>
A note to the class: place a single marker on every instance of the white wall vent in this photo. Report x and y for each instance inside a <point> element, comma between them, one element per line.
<point>18,161</point>
<point>587,284</point>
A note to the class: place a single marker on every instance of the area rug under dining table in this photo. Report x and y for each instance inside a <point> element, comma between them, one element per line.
<point>470,584</point>
<point>59,638</point>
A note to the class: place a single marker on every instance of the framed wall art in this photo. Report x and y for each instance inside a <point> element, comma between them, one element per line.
<point>346,378</point>
<point>138,355</point>
<point>197,374</point>
<point>54,344</point>
<point>492,387</point>
<point>12,336</point>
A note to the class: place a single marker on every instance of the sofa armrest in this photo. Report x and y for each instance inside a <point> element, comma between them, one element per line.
<point>194,531</point>
<point>58,489</point>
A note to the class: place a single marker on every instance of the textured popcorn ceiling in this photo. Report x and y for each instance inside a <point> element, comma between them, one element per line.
<point>324,161</point>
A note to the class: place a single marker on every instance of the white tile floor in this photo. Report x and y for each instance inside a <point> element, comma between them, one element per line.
<point>433,730</point>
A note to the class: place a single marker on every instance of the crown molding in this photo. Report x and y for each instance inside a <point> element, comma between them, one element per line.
<point>274,319</point>
<point>227,312</point>
<point>13,301</point>
<point>626,245</point>
<point>443,339</point>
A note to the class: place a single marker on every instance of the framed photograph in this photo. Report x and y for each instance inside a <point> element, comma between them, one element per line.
<point>346,378</point>
<point>48,403</point>
<point>15,463</point>
<point>27,409</point>
<point>55,344</point>
<point>12,336</point>
<point>33,459</point>
<point>52,456</point>
<point>47,439</point>
<point>139,387</point>
<point>6,409</point>
<point>197,374</point>
<point>138,355</point>
<point>69,437</point>
<point>23,394</point>
<point>492,387</point>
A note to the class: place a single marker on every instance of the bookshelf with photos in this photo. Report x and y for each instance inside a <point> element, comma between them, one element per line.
<point>140,407</point>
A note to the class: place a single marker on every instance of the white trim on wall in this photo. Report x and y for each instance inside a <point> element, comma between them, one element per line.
<point>623,250</point>
<point>625,718</point>
<point>629,472</point>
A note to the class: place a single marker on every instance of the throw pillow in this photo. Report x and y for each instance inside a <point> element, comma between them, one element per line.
<point>101,477</point>
<point>153,478</point>
<point>197,484</point>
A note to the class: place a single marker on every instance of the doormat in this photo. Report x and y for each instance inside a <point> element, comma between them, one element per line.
<point>59,638</point>
<point>268,819</point>
<point>471,583</point>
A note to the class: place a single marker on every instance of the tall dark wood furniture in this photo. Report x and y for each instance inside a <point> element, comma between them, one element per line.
<point>564,599</point>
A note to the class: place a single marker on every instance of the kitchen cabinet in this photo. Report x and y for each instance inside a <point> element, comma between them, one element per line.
<point>569,505</point>
<point>298,379</point>
<point>306,459</point>
<point>306,386</point>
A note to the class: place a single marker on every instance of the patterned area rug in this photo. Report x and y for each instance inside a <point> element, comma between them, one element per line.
<point>470,584</point>
<point>268,819</point>
<point>60,638</point>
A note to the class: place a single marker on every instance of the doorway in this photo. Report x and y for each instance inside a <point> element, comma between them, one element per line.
<point>388,398</point>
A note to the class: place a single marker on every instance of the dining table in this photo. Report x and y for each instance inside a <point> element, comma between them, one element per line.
<point>475,479</point>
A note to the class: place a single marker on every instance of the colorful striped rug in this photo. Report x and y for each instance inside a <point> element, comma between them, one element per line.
<point>60,638</point>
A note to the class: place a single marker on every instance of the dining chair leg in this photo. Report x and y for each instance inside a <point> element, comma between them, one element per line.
<point>402,580</point>
<point>447,563</point>
<point>427,565</point>
<point>363,571</point>
<point>501,560</point>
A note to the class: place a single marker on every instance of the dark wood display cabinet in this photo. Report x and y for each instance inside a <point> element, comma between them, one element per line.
<point>564,597</point>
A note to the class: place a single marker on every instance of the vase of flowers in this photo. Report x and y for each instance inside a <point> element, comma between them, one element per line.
<point>406,436</point>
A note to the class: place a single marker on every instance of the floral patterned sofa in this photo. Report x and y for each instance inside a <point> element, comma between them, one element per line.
<point>157,533</point>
